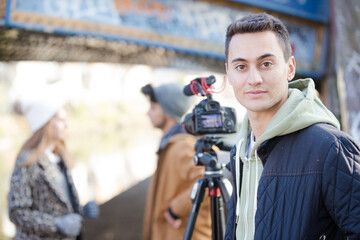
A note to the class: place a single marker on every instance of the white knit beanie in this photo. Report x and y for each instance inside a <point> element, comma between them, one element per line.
<point>39,111</point>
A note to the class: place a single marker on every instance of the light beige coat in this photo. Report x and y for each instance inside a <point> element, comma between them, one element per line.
<point>171,186</point>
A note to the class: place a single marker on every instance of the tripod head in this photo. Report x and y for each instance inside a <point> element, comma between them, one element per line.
<point>206,156</point>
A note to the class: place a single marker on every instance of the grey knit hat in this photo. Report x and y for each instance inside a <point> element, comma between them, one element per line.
<point>171,98</point>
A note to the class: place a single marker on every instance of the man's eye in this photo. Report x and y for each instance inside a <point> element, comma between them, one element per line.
<point>267,64</point>
<point>240,67</point>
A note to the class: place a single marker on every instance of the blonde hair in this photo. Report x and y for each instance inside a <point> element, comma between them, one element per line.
<point>39,141</point>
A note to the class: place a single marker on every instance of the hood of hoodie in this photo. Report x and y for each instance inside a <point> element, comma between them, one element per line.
<point>302,109</point>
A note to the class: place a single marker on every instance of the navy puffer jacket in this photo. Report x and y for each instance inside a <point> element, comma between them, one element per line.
<point>309,188</point>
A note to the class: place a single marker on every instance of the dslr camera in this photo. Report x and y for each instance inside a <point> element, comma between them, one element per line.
<point>208,117</point>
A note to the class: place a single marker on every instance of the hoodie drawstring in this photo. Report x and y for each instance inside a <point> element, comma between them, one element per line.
<point>256,185</point>
<point>246,208</point>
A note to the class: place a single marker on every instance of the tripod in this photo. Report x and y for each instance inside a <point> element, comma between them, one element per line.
<point>217,185</point>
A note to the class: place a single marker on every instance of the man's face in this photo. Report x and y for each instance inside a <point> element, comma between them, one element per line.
<point>258,72</point>
<point>156,115</point>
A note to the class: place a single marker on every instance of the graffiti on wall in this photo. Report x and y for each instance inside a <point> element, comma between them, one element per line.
<point>192,26</point>
<point>87,10</point>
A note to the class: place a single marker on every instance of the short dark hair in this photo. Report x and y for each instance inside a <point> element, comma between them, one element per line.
<point>148,91</point>
<point>260,22</point>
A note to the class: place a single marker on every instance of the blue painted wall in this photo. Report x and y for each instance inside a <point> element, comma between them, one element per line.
<point>316,10</point>
<point>188,26</point>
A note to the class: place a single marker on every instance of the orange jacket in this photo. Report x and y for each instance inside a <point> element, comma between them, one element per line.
<point>171,186</point>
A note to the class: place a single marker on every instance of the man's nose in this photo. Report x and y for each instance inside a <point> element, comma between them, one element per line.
<point>254,77</point>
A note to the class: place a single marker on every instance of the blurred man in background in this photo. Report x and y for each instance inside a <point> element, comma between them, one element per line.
<point>168,201</point>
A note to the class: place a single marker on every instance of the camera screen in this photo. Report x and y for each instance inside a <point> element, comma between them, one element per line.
<point>211,121</point>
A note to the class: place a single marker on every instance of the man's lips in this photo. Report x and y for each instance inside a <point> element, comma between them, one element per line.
<point>255,92</point>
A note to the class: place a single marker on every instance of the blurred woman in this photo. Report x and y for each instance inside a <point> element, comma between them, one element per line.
<point>42,201</point>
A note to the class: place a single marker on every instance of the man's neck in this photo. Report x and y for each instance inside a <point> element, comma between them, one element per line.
<point>168,125</point>
<point>258,123</point>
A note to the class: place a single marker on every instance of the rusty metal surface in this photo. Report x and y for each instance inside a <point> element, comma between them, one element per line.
<point>22,45</point>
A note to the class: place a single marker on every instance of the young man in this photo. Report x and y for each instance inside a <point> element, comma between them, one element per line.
<point>296,175</point>
<point>168,201</point>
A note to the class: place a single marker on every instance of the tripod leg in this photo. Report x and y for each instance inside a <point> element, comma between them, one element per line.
<point>200,191</point>
<point>225,188</point>
<point>217,210</point>
<point>218,218</point>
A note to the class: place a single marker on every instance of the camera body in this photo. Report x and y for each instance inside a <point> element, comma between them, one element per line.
<point>208,117</point>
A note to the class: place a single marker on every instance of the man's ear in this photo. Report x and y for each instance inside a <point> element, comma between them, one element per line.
<point>291,68</point>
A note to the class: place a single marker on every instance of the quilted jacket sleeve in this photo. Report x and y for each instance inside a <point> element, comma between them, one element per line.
<point>341,186</point>
<point>20,205</point>
<point>230,219</point>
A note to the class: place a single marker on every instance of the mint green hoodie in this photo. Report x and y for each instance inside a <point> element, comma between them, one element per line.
<point>302,109</point>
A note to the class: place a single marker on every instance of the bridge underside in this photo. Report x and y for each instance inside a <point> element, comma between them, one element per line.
<point>23,45</point>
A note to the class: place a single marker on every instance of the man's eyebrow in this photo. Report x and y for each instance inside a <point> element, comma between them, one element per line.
<point>266,55</point>
<point>238,60</point>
